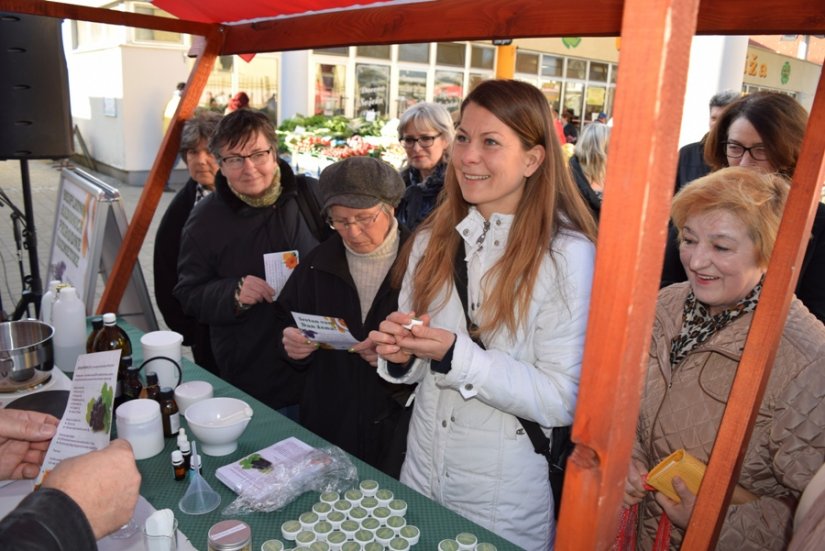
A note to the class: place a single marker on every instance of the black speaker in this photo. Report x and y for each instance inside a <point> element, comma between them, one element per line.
<point>35,117</point>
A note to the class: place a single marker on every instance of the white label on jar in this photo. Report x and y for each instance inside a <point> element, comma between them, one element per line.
<point>174,423</point>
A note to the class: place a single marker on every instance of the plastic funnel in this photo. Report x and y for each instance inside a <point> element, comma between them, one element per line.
<point>199,498</point>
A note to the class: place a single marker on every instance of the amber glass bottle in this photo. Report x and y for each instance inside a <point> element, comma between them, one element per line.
<point>112,337</point>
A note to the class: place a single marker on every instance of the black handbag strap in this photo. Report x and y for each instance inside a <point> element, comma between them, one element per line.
<point>541,444</point>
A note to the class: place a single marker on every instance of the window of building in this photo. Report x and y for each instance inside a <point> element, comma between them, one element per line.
<point>527,63</point>
<point>595,102</point>
<point>342,51</point>
<point>576,68</point>
<point>414,53</point>
<point>552,66</point>
<point>378,52</point>
<point>151,35</point>
<point>482,57</point>
<point>373,92</point>
<point>412,88</point>
<point>598,71</point>
<point>573,98</point>
<point>475,80</point>
<point>614,70</point>
<point>449,89</point>
<point>330,83</point>
<point>552,91</point>
<point>86,34</point>
<point>450,53</point>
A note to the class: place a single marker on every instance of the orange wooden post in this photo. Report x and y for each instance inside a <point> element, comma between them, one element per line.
<point>641,168</point>
<point>506,61</point>
<point>158,175</point>
<point>763,337</point>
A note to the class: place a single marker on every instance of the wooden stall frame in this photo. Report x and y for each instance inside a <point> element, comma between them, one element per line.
<point>655,47</point>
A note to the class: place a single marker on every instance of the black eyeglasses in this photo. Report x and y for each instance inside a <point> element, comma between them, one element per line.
<point>363,222</point>
<point>736,150</point>
<point>424,141</point>
<point>235,162</point>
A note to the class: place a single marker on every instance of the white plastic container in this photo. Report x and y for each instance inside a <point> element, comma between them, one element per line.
<point>47,301</point>
<point>139,422</point>
<point>69,321</point>
<point>163,344</point>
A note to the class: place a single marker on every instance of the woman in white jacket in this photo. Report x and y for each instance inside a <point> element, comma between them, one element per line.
<point>512,213</point>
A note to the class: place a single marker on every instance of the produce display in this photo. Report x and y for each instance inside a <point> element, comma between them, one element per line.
<point>313,143</point>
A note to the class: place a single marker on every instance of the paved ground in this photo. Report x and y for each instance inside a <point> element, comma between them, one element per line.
<point>45,180</point>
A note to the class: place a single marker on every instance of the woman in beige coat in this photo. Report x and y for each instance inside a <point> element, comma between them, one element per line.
<point>727,225</point>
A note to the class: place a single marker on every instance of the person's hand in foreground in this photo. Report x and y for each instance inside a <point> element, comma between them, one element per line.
<point>398,340</point>
<point>296,344</point>
<point>24,439</point>
<point>255,290</point>
<point>634,486</point>
<point>366,349</point>
<point>105,484</point>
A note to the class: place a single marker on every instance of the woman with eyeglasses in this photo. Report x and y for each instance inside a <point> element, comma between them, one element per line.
<point>764,131</point>
<point>505,341</point>
<point>426,132</point>
<point>221,279</point>
<point>344,399</point>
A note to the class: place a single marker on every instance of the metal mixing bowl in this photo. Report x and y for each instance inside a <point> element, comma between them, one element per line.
<point>26,349</point>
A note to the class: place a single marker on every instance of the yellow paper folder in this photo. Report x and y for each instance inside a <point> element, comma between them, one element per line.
<point>681,464</point>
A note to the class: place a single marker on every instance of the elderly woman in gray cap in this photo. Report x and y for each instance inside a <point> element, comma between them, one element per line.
<point>347,276</point>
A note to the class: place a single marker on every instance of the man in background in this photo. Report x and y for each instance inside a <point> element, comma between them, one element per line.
<point>692,156</point>
<point>202,167</point>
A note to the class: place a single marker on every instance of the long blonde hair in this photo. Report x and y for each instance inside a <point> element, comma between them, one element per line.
<point>591,150</point>
<point>550,202</point>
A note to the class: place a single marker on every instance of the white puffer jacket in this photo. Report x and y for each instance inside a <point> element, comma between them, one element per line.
<point>466,449</point>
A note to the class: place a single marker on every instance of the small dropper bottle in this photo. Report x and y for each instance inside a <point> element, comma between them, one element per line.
<point>178,465</point>
<point>184,447</point>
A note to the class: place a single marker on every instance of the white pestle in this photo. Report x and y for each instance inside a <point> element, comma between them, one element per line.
<point>244,413</point>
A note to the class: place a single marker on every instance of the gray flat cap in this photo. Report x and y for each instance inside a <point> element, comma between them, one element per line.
<point>360,183</point>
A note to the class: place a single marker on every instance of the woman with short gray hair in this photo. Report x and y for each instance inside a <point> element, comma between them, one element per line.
<point>426,132</point>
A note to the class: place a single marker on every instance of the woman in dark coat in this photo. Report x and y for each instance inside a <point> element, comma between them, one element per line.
<point>426,132</point>
<point>254,211</point>
<point>202,167</point>
<point>344,400</point>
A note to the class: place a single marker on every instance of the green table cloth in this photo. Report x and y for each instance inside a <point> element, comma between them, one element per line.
<point>267,427</point>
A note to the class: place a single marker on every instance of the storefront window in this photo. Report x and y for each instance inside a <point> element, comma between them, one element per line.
<point>551,66</point>
<point>448,89</point>
<point>415,53</point>
<point>598,71</point>
<point>412,88</point>
<point>527,63</point>
<point>373,94</point>
<point>449,53</point>
<point>573,98</point>
<point>482,57</point>
<point>329,89</point>
<point>594,102</point>
<point>552,91</point>
<point>614,70</point>
<point>343,51</point>
<point>475,80</point>
<point>378,52</point>
<point>576,68</point>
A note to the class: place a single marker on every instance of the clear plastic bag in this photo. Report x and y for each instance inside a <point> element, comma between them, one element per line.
<point>321,470</point>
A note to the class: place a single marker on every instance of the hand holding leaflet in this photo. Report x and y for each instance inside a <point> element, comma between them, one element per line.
<point>329,332</point>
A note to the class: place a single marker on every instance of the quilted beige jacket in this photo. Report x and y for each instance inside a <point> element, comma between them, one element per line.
<point>682,407</point>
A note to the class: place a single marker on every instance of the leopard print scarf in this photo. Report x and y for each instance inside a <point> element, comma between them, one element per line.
<point>699,324</point>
